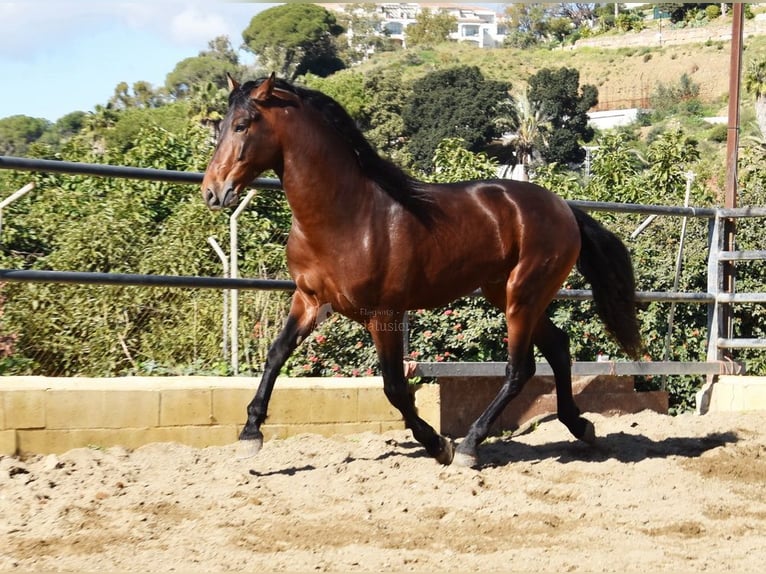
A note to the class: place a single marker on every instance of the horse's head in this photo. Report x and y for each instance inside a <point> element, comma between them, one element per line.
<point>249,140</point>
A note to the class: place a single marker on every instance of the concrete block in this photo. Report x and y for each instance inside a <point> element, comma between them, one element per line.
<point>332,429</point>
<point>180,407</point>
<point>22,409</point>
<point>462,400</point>
<point>392,425</point>
<point>8,444</point>
<point>597,384</point>
<point>290,405</point>
<point>129,409</point>
<point>374,406</point>
<point>71,409</point>
<point>428,403</point>
<point>61,440</point>
<point>207,435</point>
<point>43,441</point>
<point>334,405</point>
<point>230,405</point>
<point>738,393</point>
<point>275,431</point>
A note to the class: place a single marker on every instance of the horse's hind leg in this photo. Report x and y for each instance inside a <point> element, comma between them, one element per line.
<point>554,345</point>
<point>387,335</point>
<point>518,371</point>
<point>520,368</point>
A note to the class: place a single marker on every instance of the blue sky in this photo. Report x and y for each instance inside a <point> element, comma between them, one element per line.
<point>60,56</point>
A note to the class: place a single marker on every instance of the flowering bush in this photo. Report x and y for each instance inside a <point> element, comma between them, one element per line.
<point>467,330</point>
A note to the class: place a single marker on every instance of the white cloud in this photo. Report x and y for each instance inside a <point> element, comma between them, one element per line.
<point>194,27</point>
<point>27,28</point>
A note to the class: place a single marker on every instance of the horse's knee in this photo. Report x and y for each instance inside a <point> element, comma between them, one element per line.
<point>517,374</point>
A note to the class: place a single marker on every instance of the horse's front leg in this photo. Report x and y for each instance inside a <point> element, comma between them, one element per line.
<point>387,334</point>
<point>301,320</point>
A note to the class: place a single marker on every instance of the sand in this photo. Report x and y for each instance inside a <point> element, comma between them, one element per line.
<point>659,493</point>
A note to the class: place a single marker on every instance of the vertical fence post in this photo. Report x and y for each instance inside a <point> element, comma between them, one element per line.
<point>10,199</point>
<point>234,272</point>
<point>714,288</point>
<point>225,315</point>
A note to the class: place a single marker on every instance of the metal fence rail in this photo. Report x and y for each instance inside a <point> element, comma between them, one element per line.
<point>101,170</point>
<point>122,279</point>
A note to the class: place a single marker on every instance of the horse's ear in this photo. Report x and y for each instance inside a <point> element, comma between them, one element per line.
<point>263,92</point>
<point>232,83</point>
<point>268,90</point>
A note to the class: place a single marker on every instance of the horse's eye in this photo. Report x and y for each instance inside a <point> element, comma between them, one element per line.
<point>239,128</point>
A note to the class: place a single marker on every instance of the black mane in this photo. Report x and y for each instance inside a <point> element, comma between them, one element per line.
<point>393,180</point>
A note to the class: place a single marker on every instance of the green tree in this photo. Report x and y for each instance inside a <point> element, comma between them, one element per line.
<point>430,28</point>
<point>143,227</point>
<point>64,129</point>
<point>530,134</point>
<point>381,118</point>
<point>210,66</point>
<point>294,39</point>
<point>453,163</point>
<point>457,102</point>
<point>755,84</point>
<point>615,170</point>
<point>207,105</point>
<point>17,132</point>
<point>142,95</point>
<point>679,98</point>
<point>670,157</point>
<point>528,24</point>
<point>680,11</point>
<point>346,87</point>
<point>559,96</point>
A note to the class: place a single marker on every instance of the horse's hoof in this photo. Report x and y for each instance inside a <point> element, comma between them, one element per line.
<point>589,434</point>
<point>465,460</point>
<point>447,452</point>
<point>248,448</point>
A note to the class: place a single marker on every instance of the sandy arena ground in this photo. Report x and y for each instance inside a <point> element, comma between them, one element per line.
<point>658,494</point>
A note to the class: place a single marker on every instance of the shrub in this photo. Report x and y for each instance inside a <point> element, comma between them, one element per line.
<point>718,133</point>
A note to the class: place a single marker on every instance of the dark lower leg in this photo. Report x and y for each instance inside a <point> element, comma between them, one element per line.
<point>554,345</point>
<point>517,373</point>
<point>396,388</point>
<point>398,394</point>
<point>297,326</point>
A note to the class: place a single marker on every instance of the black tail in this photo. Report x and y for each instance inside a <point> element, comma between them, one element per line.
<point>605,263</point>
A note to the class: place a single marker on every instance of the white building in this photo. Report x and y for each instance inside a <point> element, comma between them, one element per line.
<point>480,26</point>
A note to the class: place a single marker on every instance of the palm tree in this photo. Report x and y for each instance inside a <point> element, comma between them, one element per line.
<point>208,106</point>
<point>97,123</point>
<point>530,135</point>
<point>755,83</point>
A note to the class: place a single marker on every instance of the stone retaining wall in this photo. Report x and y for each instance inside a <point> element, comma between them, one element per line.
<point>43,415</point>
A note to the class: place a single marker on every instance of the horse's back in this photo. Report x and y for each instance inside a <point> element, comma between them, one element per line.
<point>518,209</point>
<point>481,232</point>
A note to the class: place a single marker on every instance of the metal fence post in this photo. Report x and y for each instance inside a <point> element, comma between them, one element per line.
<point>234,272</point>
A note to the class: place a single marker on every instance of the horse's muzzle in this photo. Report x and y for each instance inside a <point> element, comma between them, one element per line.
<point>218,200</point>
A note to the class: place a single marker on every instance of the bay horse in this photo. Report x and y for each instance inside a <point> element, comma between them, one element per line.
<point>371,242</point>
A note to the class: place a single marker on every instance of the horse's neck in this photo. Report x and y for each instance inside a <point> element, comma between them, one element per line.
<point>319,188</point>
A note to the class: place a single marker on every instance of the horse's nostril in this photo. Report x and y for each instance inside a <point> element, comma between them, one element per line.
<point>212,199</point>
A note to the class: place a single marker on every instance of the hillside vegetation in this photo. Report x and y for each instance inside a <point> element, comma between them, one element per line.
<point>619,73</point>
